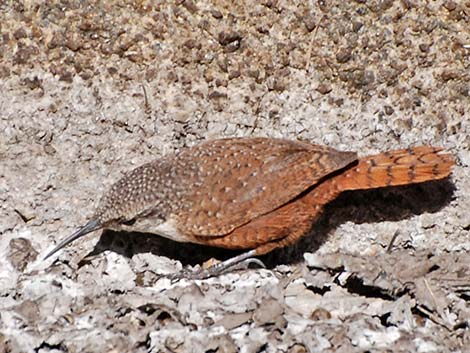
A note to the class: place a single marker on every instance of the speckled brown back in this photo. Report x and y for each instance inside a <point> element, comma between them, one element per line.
<point>232,181</point>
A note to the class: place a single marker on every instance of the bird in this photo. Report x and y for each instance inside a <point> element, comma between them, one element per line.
<point>254,194</point>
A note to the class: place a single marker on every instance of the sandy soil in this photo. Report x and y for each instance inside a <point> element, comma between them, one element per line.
<point>89,90</point>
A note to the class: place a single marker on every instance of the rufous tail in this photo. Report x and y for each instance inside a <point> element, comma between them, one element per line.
<point>394,168</point>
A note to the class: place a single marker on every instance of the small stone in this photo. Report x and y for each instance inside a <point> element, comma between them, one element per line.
<point>55,41</point>
<point>190,6</point>
<point>418,84</point>
<point>450,5</point>
<point>73,42</point>
<point>21,253</point>
<point>344,55</point>
<point>320,314</point>
<point>388,110</point>
<point>4,71</point>
<point>234,74</point>
<point>22,56</point>
<point>217,95</point>
<point>226,38</point>
<point>448,75</point>
<point>424,47</point>
<point>309,21</point>
<point>216,14</point>
<point>356,26</point>
<point>20,33</point>
<point>191,44</point>
<point>324,88</point>
<point>66,76</point>
<point>232,47</point>
<point>298,348</point>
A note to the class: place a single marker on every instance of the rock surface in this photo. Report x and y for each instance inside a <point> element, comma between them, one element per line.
<point>91,90</point>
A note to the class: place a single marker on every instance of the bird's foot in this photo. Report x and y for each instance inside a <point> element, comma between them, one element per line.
<point>240,262</point>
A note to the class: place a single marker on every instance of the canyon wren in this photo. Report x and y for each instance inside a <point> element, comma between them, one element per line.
<point>256,194</point>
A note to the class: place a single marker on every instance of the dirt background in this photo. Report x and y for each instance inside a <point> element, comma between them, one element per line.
<point>90,89</point>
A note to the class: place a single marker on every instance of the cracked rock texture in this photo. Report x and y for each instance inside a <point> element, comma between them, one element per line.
<point>92,89</point>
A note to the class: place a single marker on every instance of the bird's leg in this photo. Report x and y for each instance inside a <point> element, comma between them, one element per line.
<point>241,261</point>
<point>237,262</point>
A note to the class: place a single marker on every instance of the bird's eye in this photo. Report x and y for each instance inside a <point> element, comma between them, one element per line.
<point>129,222</point>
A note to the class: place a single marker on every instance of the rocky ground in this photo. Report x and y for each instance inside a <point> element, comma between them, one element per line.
<point>90,89</point>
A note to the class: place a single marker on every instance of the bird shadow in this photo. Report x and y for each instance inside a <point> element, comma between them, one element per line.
<point>360,206</point>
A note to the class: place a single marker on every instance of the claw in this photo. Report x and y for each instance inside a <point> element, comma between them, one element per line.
<point>241,261</point>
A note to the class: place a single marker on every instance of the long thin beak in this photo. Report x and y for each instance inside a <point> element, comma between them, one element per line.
<point>87,228</point>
